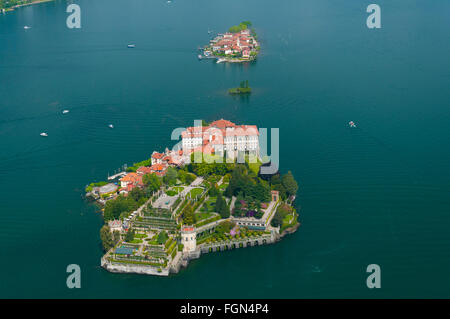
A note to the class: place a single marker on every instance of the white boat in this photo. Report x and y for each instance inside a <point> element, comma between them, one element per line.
<point>43,134</point>
<point>131,45</point>
<point>111,126</point>
<point>65,111</point>
<point>352,124</point>
<point>26,27</point>
<point>220,60</point>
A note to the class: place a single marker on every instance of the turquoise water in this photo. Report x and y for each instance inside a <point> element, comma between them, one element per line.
<point>376,194</point>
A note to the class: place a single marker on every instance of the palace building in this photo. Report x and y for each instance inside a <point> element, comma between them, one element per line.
<point>221,137</point>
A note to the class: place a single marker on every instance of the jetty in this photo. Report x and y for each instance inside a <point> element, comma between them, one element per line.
<point>117,175</point>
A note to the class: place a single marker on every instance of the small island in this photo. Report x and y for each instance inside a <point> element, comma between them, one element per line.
<point>239,44</point>
<point>165,211</point>
<point>244,88</point>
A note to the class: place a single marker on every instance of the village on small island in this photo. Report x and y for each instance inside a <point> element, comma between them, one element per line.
<point>162,212</point>
<point>239,44</point>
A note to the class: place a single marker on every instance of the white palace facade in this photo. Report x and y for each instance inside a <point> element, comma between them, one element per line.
<point>221,137</point>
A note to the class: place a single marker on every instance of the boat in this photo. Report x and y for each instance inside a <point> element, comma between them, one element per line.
<point>131,45</point>
<point>65,111</point>
<point>43,134</point>
<point>26,27</point>
<point>200,57</point>
<point>352,124</point>
<point>220,60</point>
<point>111,126</point>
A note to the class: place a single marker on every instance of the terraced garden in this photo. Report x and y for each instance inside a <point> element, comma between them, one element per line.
<point>195,192</point>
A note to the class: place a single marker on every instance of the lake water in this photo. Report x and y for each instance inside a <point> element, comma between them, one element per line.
<point>378,194</point>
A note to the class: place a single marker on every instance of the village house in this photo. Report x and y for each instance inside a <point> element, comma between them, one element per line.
<point>157,158</point>
<point>130,181</point>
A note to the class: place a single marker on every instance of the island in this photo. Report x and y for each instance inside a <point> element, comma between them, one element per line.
<point>243,88</point>
<point>179,204</point>
<point>239,44</point>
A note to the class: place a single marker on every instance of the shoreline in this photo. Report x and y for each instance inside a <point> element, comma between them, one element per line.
<point>232,60</point>
<point>24,5</point>
<point>183,259</point>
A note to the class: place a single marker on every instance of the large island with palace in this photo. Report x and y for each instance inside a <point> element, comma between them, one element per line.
<point>205,196</point>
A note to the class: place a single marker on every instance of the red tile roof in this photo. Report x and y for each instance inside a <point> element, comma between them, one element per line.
<point>157,155</point>
<point>158,167</point>
<point>144,170</point>
<point>132,178</point>
<point>222,124</point>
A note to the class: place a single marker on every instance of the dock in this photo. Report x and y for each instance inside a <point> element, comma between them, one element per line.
<point>117,175</point>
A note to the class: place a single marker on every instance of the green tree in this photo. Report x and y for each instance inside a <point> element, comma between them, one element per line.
<point>188,215</point>
<point>225,227</point>
<point>289,184</point>
<point>171,176</point>
<point>162,237</point>
<point>116,236</point>
<point>116,207</point>
<point>277,220</point>
<point>222,207</point>
<point>213,191</point>
<point>105,236</point>
<point>136,194</point>
<point>130,235</point>
<point>152,182</point>
<point>275,184</point>
<point>186,177</point>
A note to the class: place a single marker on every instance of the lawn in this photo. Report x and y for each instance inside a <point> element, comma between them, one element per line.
<point>253,163</point>
<point>174,191</point>
<point>178,189</point>
<point>202,216</point>
<point>136,241</point>
<point>289,220</point>
<point>196,192</point>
